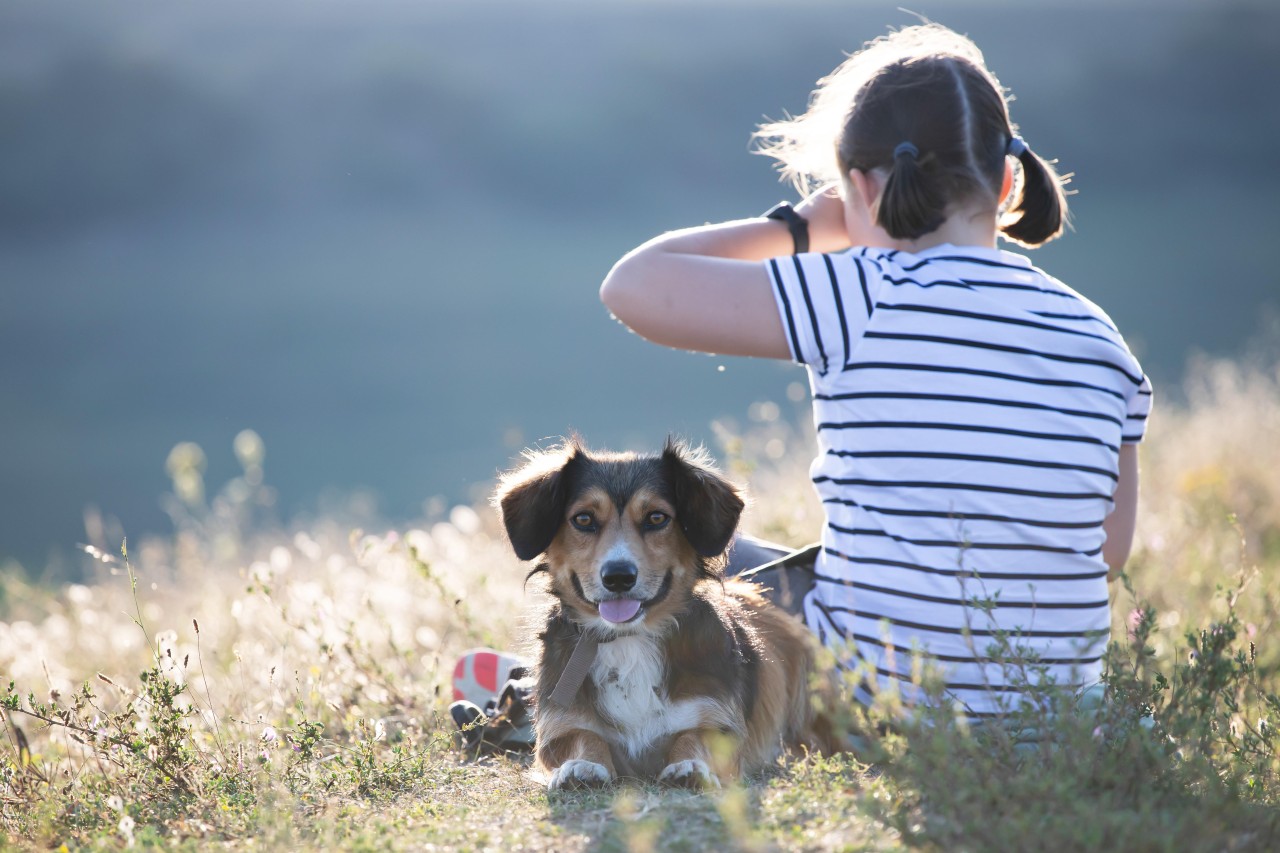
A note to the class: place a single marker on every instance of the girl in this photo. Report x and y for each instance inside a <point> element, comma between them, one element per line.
<point>977,419</point>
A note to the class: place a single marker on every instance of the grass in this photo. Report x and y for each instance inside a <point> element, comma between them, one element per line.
<point>239,685</point>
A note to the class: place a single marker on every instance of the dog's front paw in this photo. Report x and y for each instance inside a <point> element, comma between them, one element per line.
<point>579,773</point>
<point>689,774</point>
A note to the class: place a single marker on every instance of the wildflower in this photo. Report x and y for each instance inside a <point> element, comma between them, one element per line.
<point>1134,622</point>
<point>269,734</point>
<point>115,803</point>
<point>379,730</point>
<point>126,829</point>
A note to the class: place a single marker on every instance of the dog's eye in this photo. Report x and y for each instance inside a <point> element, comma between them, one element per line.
<point>584,521</point>
<point>656,520</point>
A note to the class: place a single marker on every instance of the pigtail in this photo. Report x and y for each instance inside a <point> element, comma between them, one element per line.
<point>1040,210</point>
<point>911,205</point>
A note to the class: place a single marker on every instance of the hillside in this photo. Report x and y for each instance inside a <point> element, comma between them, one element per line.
<point>360,228</point>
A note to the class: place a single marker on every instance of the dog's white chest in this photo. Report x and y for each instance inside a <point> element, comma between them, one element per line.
<point>629,676</point>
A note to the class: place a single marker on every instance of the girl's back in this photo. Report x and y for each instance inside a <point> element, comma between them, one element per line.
<point>969,412</point>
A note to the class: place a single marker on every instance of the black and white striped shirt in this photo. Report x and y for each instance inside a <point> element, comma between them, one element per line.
<point>970,411</point>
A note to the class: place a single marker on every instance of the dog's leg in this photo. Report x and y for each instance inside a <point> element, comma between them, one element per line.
<point>577,759</point>
<point>699,757</point>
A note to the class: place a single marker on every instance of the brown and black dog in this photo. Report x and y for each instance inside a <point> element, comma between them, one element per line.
<point>652,664</point>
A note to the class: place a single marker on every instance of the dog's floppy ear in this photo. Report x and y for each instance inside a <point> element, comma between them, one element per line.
<point>532,498</point>
<point>707,505</point>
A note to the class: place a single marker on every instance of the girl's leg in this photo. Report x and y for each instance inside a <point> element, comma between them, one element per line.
<point>747,552</point>
<point>785,574</point>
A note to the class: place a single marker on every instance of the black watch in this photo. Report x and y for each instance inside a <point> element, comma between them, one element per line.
<point>796,224</point>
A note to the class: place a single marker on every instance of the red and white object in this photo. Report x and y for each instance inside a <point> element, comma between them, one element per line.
<point>480,673</point>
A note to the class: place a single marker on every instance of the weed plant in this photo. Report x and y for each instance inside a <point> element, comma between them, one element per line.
<point>239,683</point>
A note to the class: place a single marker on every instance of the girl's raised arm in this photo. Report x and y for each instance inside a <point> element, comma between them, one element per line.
<point>706,289</point>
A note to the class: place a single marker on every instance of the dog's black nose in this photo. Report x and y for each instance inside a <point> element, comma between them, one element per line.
<point>618,575</point>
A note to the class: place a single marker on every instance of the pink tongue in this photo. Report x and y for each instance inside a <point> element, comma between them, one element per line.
<point>619,609</point>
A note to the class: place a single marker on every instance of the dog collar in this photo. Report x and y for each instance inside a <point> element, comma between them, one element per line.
<point>575,671</point>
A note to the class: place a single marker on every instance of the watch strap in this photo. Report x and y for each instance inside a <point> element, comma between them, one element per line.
<point>796,224</point>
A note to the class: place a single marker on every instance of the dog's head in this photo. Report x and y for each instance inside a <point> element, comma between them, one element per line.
<point>624,537</point>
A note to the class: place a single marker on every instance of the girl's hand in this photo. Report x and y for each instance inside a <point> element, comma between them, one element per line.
<point>824,209</point>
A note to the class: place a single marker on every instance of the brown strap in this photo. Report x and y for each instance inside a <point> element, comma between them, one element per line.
<point>575,671</point>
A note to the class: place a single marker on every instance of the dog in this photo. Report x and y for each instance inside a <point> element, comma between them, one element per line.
<point>652,664</point>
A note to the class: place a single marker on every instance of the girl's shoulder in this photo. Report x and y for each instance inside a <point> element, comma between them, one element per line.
<point>948,261</point>
<point>1010,277</point>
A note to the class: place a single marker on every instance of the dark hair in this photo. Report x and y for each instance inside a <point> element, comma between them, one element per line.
<point>928,86</point>
<point>954,115</point>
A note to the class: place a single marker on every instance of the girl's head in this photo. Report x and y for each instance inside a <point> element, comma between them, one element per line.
<point>927,87</point>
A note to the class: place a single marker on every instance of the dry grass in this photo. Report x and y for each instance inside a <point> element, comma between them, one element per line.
<point>240,686</point>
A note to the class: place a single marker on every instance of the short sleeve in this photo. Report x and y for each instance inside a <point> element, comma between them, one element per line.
<point>1135,422</point>
<point>825,302</point>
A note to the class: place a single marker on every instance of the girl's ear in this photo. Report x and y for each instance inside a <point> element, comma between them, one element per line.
<point>868,186</point>
<point>533,498</point>
<point>707,505</point>
<point>1006,183</point>
<point>862,192</point>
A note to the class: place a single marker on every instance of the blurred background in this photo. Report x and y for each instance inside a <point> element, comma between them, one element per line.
<point>371,231</point>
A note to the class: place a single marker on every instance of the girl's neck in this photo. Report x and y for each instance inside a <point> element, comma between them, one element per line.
<point>961,228</point>
<point>973,224</point>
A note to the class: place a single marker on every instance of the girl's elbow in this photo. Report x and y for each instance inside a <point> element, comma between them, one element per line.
<point>609,292</point>
<point>617,291</point>
<point>625,286</point>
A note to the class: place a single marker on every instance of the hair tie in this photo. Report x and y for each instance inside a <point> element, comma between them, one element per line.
<point>906,148</point>
<point>1016,147</point>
